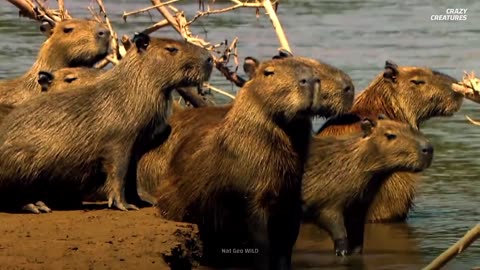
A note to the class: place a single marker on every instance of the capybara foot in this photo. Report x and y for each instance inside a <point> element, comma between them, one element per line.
<point>120,204</point>
<point>356,250</point>
<point>341,247</point>
<point>147,198</point>
<point>37,208</point>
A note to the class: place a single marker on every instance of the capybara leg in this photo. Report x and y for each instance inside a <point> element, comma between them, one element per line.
<point>146,197</point>
<point>37,208</point>
<point>395,198</point>
<point>332,221</point>
<point>355,223</point>
<point>116,167</point>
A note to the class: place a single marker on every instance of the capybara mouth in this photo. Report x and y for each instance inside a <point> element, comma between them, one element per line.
<point>88,62</point>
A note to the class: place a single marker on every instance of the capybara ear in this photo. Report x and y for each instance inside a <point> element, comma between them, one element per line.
<point>141,41</point>
<point>45,79</point>
<point>282,53</point>
<point>382,117</point>
<point>391,71</point>
<point>268,71</point>
<point>367,125</point>
<point>46,28</point>
<point>250,64</point>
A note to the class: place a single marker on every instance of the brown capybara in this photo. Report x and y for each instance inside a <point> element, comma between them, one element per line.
<point>60,146</point>
<point>67,78</point>
<point>402,93</point>
<point>337,94</point>
<point>71,43</point>
<point>240,179</point>
<point>343,174</point>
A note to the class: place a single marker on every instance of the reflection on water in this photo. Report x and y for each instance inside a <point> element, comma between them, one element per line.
<point>357,36</point>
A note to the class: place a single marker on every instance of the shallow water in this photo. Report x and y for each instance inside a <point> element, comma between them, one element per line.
<point>357,36</point>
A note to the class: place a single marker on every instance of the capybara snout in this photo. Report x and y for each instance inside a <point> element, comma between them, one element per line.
<point>426,150</point>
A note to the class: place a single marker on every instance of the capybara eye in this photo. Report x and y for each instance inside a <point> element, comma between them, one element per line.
<point>69,79</point>
<point>390,136</point>
<point>417,82</point>
<point>171,49</point>
<point>317,81</point>
<point>303,81</point>
<point>67,30</point>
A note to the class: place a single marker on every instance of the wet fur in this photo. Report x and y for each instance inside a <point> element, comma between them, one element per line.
<point>239,179</point>
<point>338,188</point>
<point>402,100</point>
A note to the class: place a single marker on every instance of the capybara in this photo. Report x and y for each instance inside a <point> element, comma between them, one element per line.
<point>67,78</point>
<point>240,179</point>
<point>60,146</point>
<point>402,93</point>
<point>71,43</point>
<point>337,92</point>
<point>343,174</point>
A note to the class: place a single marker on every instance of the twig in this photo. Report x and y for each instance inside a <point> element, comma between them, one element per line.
<point>155,27</point>
<point>126,14</point>
<point>193,98</point>
<point>219,91</point>
<point>26,8</point>
<point>164,11</point>
<point>49,13</point>
<point>238,4</point>
<point>276,25</point>
<point>456,249</point>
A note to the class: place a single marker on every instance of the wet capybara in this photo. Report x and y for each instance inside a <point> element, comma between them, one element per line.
<point>71,43</point>
<point>402,93</point>
<point>337,93</point>
<point>343,174</point>
<point>67,78</point>
<point>60,146</point>
<point>240,179</point>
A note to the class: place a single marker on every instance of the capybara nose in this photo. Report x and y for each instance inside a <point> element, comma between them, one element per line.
<point>103,33</point>
<point>427,149</point>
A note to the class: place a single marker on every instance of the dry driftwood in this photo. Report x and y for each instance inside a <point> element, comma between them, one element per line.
<point>455,249</point>
<point>470,88</point>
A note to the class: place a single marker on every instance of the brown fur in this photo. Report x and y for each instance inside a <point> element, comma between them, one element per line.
<point>71,43</point>
<point>240,178</point>
<point>62,146</point>
<point>67,78</point>
<point>399,94</point>
<point>338,188</point>
<point>337,93</point>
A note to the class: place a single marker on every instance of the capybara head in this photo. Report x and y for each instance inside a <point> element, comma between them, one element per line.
<point>66,78</point>
<point>421,92</point>
<point>396,145</point>
<point>192,64</point>
<point>76,42</point>
<point>288,87</point>
<point>337,89</point>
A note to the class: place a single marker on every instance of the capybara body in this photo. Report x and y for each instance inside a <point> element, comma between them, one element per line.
<point>343,174</point>
<point>337,94</point>
<point>71,43</point>
<point>402,93</point>
<point>240,179</point>
<point>59,147</point>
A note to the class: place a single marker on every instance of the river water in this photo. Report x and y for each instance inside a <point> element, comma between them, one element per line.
<point>356,36</point>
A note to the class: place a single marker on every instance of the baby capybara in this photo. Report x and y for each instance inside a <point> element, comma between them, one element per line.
<point>67,78</point>
<point>240,179</point>
<point>343,174</point>
<point>71,43</point>
<point>60,146</point>
<point>337,93</point>
<point>402,93</point>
